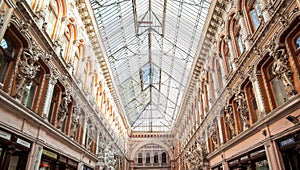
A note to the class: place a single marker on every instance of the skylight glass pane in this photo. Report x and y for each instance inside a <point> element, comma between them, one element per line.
<point>150,50</point>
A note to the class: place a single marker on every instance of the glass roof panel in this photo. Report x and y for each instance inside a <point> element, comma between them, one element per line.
<point>151,45</point>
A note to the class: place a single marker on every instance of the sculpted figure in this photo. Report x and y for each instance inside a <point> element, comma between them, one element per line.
<point>229,119</point>
<point>243,109</point>
<point>75,121</point>
<point>27,72</point>
<point>63,110</point>
<point>282,70</point>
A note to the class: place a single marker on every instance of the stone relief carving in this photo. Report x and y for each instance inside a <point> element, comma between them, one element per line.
<point>63,109</point>
<point>229,119</point>
<point>243,109</point>
<point>282,70</point>
<point>27,72</point>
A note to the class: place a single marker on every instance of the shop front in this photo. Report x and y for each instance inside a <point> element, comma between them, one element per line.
<point>14,151</point>
<point>289,147</point>
<point>54,161</point>
<point>254,160</point>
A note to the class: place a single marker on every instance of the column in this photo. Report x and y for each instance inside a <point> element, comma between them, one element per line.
<point>272,155</point>
<point>84,128</point>
<point>257,93</point>
<point>97,141</point>
<point>37,155</point>
<point>220,131</point>
<point>50,87</point>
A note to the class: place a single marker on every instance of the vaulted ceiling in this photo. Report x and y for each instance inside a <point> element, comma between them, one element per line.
<point>151,46</point>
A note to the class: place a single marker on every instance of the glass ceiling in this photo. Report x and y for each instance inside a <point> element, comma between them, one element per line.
<point>151,45</point>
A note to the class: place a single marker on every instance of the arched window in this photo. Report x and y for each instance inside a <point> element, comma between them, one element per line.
<point>164,158</point>
<point>52,17</point>
<point>140,158</point>
<point>10,46</point>
<point>253,108</point>
<point>155,157</point>
<point>147,157</point>
<point>254,13</point>
<point>296,49</point>
<point>276,86</point>
<point>224,128</point>
<point>68,37</point>
<point>54,103</point>
<point>79,131</point>
<point>297,42</point>
<point>7,55</point>
<point>236,35</point>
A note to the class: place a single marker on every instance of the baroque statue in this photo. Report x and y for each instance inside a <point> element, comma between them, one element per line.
<point>27,72</point>
<point>63,109</point>
<point>75,120</point>
<point>242,108</point>
<point>229,119</point>
<point>282,70</point>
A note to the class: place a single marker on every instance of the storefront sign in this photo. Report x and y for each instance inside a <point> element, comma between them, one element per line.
<point>62,159</point>
<point>5,135</point>
<point>23,143</point>
<point>287,142</point>
<point>72,163</point>
<point>50,154</point>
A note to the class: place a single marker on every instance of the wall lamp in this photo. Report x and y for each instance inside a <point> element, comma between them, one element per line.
<point>293,119</point>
